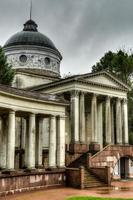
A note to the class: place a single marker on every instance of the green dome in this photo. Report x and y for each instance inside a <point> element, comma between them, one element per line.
<point>30,36</point>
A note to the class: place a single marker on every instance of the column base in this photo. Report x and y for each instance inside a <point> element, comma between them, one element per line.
<point>9,171</point>
<point>39,167</point>
<point>78,148</point>
<point>94,148</point>
<point>30,170</point>
<point>52,169</point>
<point>61,168</point>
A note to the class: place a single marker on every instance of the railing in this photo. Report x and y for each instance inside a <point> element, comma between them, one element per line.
<point>75,177</point>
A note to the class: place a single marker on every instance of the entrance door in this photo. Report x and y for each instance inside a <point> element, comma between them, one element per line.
<point>124,167</point>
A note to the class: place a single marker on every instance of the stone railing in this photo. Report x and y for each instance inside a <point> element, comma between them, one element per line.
<point>102,173</point>
<point>75,177</point>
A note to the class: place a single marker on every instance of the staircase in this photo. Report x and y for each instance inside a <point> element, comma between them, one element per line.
<point>101,165</point>
<point>110,155</point>
<point>81,161</point>
<point>90,180</point>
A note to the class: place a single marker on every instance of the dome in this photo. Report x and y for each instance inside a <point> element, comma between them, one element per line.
<point>30,36</point>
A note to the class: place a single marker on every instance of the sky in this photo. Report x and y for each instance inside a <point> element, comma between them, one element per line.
<point>82,30</point>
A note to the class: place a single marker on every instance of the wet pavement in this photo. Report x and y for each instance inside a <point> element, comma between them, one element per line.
<point>122,189</point>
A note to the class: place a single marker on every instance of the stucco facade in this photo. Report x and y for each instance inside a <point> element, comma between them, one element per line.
<point>48,123</point>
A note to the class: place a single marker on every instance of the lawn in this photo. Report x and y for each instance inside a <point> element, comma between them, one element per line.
<point>94,198</point>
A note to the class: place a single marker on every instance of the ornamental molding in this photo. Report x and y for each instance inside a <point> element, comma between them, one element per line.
<point>75,93</point>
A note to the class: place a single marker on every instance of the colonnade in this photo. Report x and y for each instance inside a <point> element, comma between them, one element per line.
<point>116,119</point>
<point>33,147</point>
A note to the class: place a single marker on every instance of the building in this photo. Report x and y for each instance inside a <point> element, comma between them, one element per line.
<point>48,122</point>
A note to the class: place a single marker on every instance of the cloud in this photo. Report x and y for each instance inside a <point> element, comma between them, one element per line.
<point>82,30</point>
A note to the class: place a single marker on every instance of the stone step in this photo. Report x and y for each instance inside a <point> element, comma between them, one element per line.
<point>92,181</point>
<point>93,185</point>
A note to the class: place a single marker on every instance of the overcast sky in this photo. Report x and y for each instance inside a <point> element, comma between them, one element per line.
<point>82,30</point>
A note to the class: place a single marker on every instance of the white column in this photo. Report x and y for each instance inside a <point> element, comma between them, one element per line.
<point>118,122</point>
<point>112,124</point>
<point>82,117</point>
<point>11,141</point>
<point>100,123</point>
<point>61,142</point>
<point>3,141</point>
<point>75,116</point>
<point>52,143</point>
<point>39,139</point>
<point>94,118</point>
<point>26,142</point>
<point>31,142</point>
<point>108,120</point>
<point>125,122</point>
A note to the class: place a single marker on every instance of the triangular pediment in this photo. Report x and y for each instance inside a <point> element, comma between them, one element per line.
<point>104,78</point>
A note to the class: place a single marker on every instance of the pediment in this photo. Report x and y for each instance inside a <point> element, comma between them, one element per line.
<point>104,78</point>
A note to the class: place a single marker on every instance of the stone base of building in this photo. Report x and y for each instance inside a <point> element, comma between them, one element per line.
<point>78,148</point>
<point>24,181</point>
<point>94,148</point>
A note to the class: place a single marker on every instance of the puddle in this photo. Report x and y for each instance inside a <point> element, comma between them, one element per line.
<point>113,189</point>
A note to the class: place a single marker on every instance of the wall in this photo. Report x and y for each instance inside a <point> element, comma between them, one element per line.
<point>27,80</point>
<point>73,177</point>
<point>31,181</point>
<point>103,173</point>
<point>130,168</point>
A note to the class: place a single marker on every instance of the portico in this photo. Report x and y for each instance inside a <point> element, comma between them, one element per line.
<point>32,109</point>
<point>98,110</point>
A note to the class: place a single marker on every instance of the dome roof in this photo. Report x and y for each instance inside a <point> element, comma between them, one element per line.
<point>30,36</point>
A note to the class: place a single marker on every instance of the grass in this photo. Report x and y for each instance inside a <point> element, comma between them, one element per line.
<point>94,198</point>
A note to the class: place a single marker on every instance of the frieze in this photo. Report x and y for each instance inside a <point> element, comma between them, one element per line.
<point>33,61</point>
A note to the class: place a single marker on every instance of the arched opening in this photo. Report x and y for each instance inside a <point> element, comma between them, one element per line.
<point>124,167</point>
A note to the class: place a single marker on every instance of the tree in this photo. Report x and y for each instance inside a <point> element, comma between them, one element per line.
<point>6,71</point>
<point>121,65</point>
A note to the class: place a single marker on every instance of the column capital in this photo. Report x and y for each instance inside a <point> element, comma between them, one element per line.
<point>53,116</point>
<point>119,99</point>
<point>82,92</point>
<point>94,95</point>
<point>108,97</point>
<point>32,114</point>
<point>62,116</point>
<point>12,111</point>
<point>75,93</point>
<point>124,101</point>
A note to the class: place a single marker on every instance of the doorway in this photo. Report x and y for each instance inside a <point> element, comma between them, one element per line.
<point>124,167</point>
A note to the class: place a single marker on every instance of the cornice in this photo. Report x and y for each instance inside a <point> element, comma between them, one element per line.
<point>76,80</point>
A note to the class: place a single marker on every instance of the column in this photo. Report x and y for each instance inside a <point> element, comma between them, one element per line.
<point>118,122</point>
<point>112,124</point>
<point>26,142</point>
<point>125,122</point>
<point>52,143</point>
<point>100,123</point>
<point>82,117</point>
<point>75,116</point>
<point>3,141</point>
<point>61,142</point>
<point>11,141</point>
<point>31,142</point>
<point>94,118</point>
<point>39,139</point>
<point>108,121</point>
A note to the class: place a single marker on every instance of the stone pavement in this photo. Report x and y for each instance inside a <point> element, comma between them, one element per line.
<point>123,189</point>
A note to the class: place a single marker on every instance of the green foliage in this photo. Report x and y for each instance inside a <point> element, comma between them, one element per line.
<point>121,65</point>
<point>94,198</point>
<point>6,71</point>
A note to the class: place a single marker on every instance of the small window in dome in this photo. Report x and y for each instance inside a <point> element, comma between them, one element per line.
<point>23,58</point>
<point>47,61</point>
